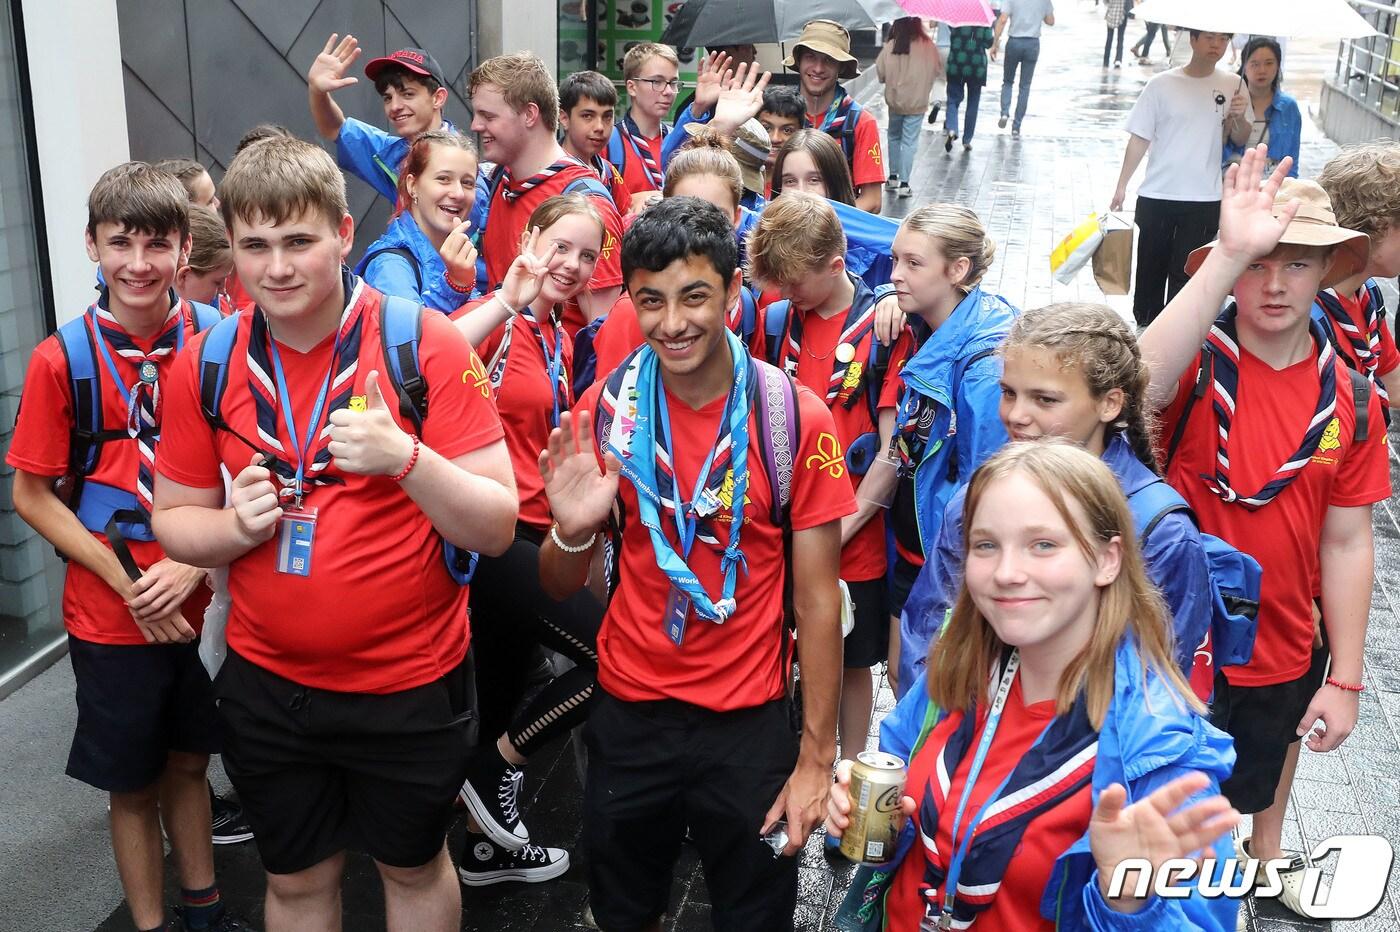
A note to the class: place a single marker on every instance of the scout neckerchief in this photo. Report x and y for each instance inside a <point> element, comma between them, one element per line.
<point>556,372</point>
<point>512,191</point>
<point>1223,344</point>
<point>142,399</point>
<point>1365,340</point>
<point>844,368</point>
<point>837,112</point>
<point>632,136</point>
<point>268,384</point>
<point>958,885</point>
<point>648,464</point>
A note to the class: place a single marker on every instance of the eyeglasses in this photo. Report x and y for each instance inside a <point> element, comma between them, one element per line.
<point>656,84</point>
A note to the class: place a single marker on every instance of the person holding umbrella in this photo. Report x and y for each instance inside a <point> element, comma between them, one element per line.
<point>822,54</point>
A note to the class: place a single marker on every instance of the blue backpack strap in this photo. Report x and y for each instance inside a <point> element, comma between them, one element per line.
<point>1153,502</point>
<point>774,323</point>
<point>585,369</point>
<point>85,390</point>
<point>401,251</point>
<point>748,315</point>
<point>401,331</point>
<point>204,316</point>
<point>848,133</point>
<point>589,185</point>
<point>617,152</point>
<point>213,369</point>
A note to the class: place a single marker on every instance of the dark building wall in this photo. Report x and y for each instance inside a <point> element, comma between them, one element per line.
<point>199,73</point>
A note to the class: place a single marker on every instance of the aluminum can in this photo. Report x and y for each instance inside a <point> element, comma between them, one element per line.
<point>877,782</point>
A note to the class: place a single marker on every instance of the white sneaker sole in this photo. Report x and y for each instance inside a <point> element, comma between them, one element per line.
<point>479,812</point>
<point>518,874</point>
<point>232,839</point>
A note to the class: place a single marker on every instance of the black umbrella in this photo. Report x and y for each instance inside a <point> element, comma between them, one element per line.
<point>737,22</point>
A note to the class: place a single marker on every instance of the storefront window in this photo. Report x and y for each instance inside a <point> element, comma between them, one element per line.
<point>30,575</point>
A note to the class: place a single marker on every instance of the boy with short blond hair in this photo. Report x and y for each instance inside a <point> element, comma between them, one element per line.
<point>639,141</point>
<point>346,702</point>
<point>827,343</point>
<point>1363,183</point>
<point>87,430</point>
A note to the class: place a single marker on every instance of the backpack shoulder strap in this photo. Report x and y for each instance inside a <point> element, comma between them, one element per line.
<point>214,357</point>
<point>401,331</point>
<point>1361,400</point>
<point>774,323</point>
<point>617,152</point>
<point>848,131</point>
<point>1204,376</point>
<point>204,316</point>
<point>589,185</point>
<point>85,390</point>
<point>748,315</point>
<point>775,397</point>
<point>1153,502</point>
<point>395,251</point>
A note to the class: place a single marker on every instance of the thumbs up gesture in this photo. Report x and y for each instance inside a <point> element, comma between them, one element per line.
<point>368,441</point>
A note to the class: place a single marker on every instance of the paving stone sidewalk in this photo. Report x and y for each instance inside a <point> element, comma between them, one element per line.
<point>1029,192</point>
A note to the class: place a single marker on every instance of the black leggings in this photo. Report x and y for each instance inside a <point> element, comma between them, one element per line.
<point>510,614</point>
<point>1108,41</point>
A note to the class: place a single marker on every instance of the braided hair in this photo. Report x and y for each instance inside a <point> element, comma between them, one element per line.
<point>1099,343</point>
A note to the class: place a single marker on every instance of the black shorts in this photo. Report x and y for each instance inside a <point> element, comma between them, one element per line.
<point>869,641</point>
<point>1263,720</point>
<point>319,771</point>
<point>902,578</point>
<point>655,768</point>
<point>136,704</point>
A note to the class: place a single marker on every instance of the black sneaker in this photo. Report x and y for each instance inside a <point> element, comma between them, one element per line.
<point>230,825</point>
<point>491,793</point>
<point>484,864</point>
<point>227,922</point>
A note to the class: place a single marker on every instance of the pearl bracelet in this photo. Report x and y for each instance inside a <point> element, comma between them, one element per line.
<point>580,548</point>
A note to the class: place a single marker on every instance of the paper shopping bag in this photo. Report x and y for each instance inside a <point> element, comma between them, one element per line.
<point>1075,250</point>
<point>1113,262</point>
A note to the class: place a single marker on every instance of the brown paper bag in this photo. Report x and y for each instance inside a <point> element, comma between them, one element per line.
<point>1113,261</point>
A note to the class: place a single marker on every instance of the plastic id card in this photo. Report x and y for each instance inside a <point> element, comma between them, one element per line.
<point>296,535</point>
<point>677,612</point>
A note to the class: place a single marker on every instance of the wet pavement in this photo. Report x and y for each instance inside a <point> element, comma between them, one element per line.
<point>1029,192</point>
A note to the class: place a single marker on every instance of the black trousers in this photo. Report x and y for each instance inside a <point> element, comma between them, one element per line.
<point>1167,232</point>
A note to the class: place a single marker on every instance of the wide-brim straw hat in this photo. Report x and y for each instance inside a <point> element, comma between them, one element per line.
<point>1314,225</point>
<point>831,39</point>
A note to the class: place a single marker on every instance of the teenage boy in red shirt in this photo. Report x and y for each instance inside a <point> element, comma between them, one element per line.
<point>345,692</point>
<point>146,717</point>
<point>587,102</point>
<point>1269,460</point>
<point>516,106</point>
<point>1363,184</point>
<point>692,726</point>
<point>414,91</point>
<point>826,344</point>
<point>820,55</point>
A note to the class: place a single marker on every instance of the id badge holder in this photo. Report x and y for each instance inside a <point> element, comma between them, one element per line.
<point>296,535</point>
<point>677,613</point>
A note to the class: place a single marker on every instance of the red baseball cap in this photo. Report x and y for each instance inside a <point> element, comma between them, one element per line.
<point>414,60</point>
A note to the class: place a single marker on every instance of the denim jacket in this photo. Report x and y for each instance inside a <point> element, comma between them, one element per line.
<point>1285,123</point>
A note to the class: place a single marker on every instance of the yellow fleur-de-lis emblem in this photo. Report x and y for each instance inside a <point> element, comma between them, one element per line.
<point>476,374</point>
<point>609,244</point>
<point>875,153</point>
<point>828,456</point>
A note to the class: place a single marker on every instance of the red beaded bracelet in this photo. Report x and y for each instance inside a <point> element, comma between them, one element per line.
<point>1349,687</point>
<point>412,460</point>
<point>451,283</point>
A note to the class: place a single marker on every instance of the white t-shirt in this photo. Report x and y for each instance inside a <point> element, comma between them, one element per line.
<point>1026,17</point>
<point>1184,119</point>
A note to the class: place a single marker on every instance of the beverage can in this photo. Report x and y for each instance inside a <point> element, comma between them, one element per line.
<point>877,782</point>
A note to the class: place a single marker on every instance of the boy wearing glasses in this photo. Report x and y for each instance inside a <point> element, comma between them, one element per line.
<point>638,138</point>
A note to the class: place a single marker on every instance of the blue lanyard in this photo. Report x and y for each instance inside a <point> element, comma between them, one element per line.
<point>554,364</point>
<point>950,883</point>
<point>685,512</point>
<point>111,363</point>
<point>301,446</point>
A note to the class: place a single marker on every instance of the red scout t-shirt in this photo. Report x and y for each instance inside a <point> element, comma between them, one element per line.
<point>863,558</point>
<point>526,405</point>
<point>1352,304</point>
<point>506,220</point>
<point>1272,410</point>
<point>379,612</point>
<point>735,665</point>
<point>92,611</point>
<point>867,164</point>
<point>634,173</point>
<point>1017,903</point>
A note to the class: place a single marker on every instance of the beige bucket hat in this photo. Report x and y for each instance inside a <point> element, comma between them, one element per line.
<point>1314,225</point>
<point>750,146</point>
<point>831,39</point>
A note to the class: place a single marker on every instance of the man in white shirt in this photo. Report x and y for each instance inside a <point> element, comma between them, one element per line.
<point>1021,19</point>
<point>1180,116</point>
